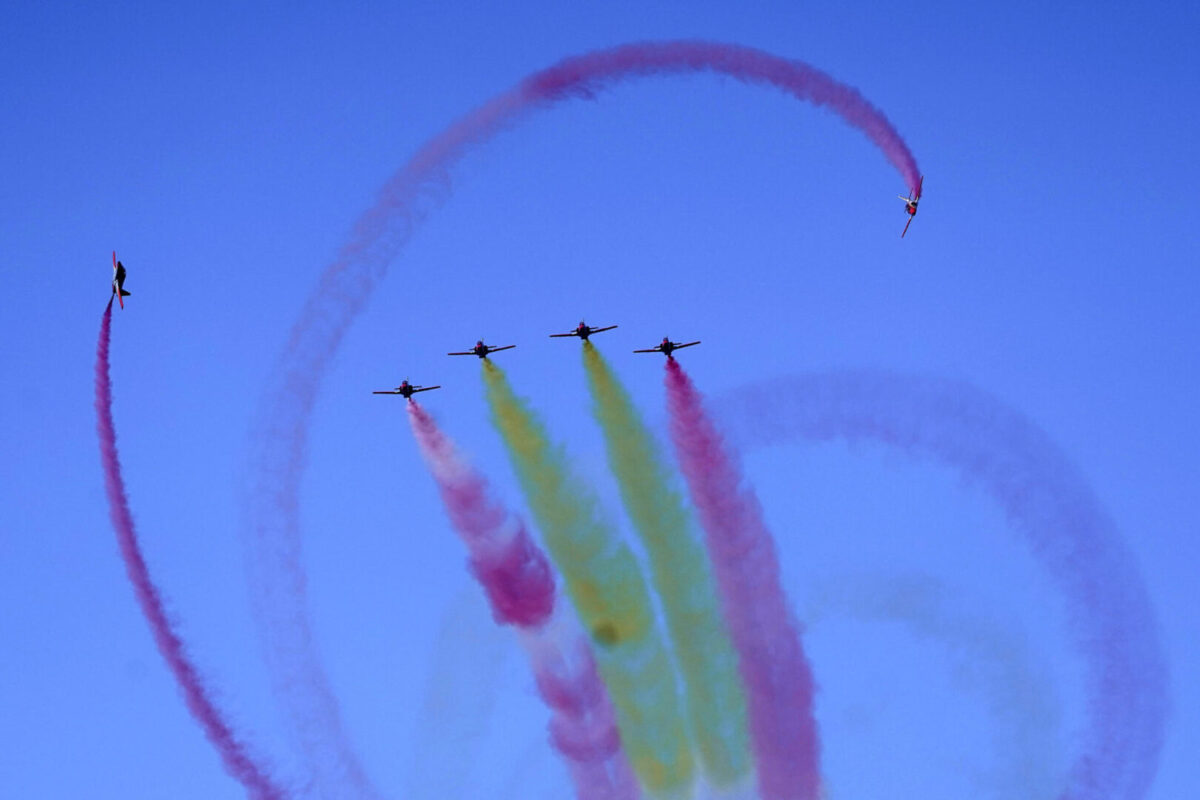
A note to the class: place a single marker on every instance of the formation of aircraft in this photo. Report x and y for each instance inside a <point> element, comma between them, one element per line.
<point>583,331</point>
<point>910,204</point>
<point>666,347</point>
<point>480,349</point>
<point>407,390</point>
<point>118,283</point>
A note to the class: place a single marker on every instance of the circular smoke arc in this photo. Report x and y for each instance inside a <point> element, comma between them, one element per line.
<point>279,435</point>
<point>1044,497</point>
<point>1115,762</point>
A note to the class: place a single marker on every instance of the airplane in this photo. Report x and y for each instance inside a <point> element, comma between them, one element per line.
<point>583,331</point>
<point>407,390</point>
<point>910,204</point>
<point>118,284</point>
<point>480,349</point>
<point>666,347</point>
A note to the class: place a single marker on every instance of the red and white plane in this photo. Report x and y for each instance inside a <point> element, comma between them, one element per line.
<point>480,349</point>
<point>583,331</point>
<point>910,204</point>
<point>666,347</point>
<point>407,390</point>
<point>118,284</point>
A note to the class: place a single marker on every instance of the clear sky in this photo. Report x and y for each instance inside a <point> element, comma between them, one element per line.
<point>225,151</point>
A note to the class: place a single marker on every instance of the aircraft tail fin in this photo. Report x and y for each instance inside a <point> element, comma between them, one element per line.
<point>124,293</point>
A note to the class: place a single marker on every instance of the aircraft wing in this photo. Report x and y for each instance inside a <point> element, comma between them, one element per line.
<point>609,328</point>
<point>910,219</point>
<point>498,349</point>
<point>689,344</point>
<point>556,335</point>
<point>468,353</point>
<point>920,186</point>
<point>426,388</point>
<point>651,350</point>
<point>390,391</point>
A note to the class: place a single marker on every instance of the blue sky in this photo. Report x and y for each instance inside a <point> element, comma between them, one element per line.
<point>225,152</point>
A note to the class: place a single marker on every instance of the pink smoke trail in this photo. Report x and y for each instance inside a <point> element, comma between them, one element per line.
<point>1110,618</point>
<point>516,576</point>
<point>778,679</point>
<point>237,761</point>
<point>584,725</point>
<point>505,560</point>
<point>280,433</point>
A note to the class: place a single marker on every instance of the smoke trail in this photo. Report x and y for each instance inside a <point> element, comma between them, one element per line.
<point>716,705</point>
<point>609,594</point>
<point>778,680</point>
<point>1111,621</point>
<point>280,431</point>
<point>990,658</point>
<point>236,759</point>
<point>584,727</point>
<point>584,75</point>
<point>459,699</point>
<point>504,559</point>
<point>516,576</point>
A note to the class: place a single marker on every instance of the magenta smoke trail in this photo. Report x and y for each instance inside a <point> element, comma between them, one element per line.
<point>280,433</point>
<point>778,679</point>
<point>584,726</point>
<point>1046,499</point>
<point>237,761</point>
<point>505,560</point>
<point>517,578</point>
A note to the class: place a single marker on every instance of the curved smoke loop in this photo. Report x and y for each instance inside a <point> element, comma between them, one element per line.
<point>279,436</point>
<point>1045,498</point>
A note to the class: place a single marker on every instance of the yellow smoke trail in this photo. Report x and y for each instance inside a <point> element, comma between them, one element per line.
<point>716,706</point>
<point>609,593</point>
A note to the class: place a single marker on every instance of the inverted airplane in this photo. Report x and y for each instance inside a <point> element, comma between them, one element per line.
<point>407,390</point>
<point>910,204</point>
<point>666,347</point>
<point>118,284</point>
<point>480,349</point>
<point>583,331</point>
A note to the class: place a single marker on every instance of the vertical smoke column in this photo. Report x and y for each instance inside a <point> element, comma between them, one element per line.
<point>236,760</point>
<point>519,585</point>
<point>1047,500</point>
<point>778,679</point>
<point>716,705</point>
<point>609,594</point>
